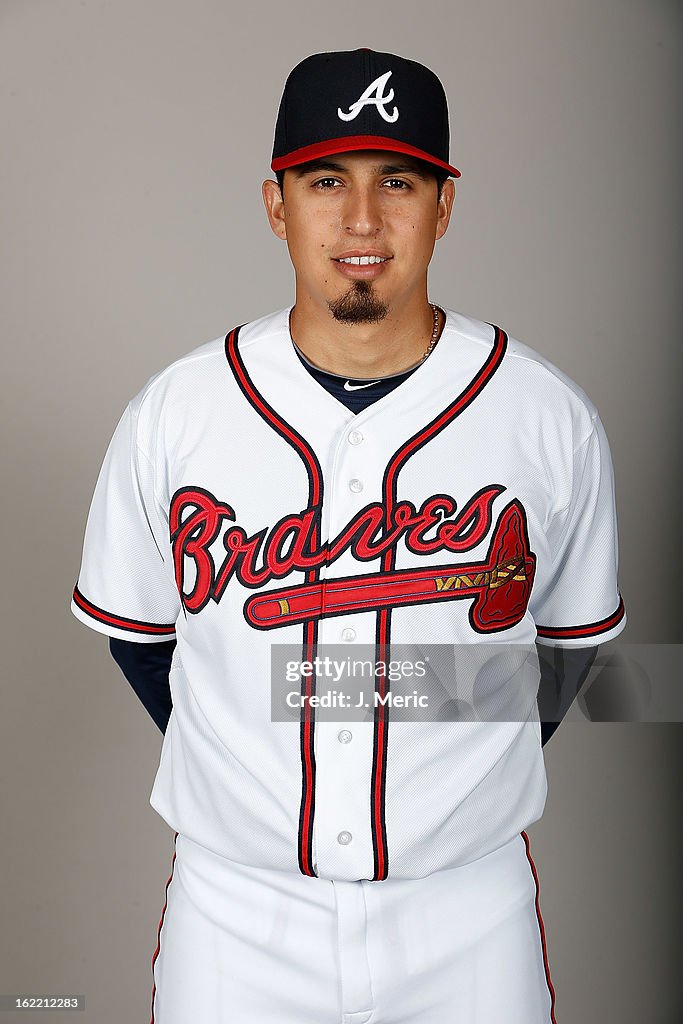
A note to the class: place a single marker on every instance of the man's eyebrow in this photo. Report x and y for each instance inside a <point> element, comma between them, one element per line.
<point>403,169</point>
<point>315,166</point>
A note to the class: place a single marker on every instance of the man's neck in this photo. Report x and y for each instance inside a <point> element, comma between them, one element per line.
<point>363,350</point>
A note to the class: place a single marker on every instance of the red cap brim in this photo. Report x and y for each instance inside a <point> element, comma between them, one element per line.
<point>350,143</point>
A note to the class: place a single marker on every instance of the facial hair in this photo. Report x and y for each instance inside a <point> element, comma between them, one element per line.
<point>359,305</point>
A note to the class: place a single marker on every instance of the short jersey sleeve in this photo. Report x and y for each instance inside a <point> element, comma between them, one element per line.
<point>126,586</point>
<point>576,600</point>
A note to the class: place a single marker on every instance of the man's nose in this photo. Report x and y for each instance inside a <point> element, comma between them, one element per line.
<point>362,214</point>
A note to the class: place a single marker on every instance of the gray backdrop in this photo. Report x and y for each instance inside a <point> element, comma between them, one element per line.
<point>137,134</point>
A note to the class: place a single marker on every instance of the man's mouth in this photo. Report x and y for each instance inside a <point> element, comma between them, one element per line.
<point>362,261</point>
<point>356,265</point>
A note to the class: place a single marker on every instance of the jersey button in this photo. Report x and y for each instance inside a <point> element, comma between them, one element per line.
<point>355,437</point>
<point>348,634</point>
<point>344,838</point>
<point>345,736</point>
<point>356,485</point>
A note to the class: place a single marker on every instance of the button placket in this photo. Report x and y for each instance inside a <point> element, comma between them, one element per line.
<point>344,757</point>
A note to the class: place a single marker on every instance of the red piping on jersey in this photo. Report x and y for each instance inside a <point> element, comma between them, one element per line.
<point>161,921</point>
<point>310,631</point>
<point>589,629</point>
<point>383,632</point>
<point>132,625</point>
<point>541,928</point>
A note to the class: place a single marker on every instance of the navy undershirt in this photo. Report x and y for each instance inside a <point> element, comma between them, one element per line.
<point>146,665</point>
<point>356,393</point>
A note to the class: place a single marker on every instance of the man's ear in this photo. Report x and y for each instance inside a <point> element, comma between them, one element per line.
<point>275,207</point>
<point>445,206</point>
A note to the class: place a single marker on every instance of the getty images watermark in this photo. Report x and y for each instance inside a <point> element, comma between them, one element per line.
<point>481,682</point>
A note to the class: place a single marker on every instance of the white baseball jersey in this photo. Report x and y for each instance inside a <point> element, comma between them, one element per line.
<point>240,505</point>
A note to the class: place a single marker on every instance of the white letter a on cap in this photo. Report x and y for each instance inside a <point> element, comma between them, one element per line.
<point>373,94</point>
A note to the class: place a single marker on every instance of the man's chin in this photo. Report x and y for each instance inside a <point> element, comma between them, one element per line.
<point>360,304</point>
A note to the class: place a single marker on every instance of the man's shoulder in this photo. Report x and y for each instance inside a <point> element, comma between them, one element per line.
<point>191,364</point>
<point>536,378</point>
<point>200,365</point>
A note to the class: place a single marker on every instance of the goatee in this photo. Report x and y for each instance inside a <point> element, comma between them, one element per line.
<point>359,305</point>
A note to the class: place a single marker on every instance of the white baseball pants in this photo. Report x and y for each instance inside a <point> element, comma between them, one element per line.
<point>242,945</point>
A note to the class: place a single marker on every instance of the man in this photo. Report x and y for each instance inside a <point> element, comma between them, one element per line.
<point>363,471</point>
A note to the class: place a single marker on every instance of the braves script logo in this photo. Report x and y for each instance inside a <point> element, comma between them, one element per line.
<point>373,95</point>
<point>500,584</point>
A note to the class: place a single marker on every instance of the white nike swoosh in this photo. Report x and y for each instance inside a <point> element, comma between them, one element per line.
<point>348,386</point>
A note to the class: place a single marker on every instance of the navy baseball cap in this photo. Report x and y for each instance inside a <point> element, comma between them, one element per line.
<point>361,99</point>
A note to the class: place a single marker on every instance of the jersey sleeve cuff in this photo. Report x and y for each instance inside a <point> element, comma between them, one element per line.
<point>119,626</point>
<point>587,634</point>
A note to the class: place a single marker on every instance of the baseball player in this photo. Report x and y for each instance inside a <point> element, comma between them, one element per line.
<point>363,470</point>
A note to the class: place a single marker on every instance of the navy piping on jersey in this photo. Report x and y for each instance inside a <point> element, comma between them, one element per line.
<point>587,629</point>
<point>132,625</point>
<point>383,632</point>
<point>310,628</point>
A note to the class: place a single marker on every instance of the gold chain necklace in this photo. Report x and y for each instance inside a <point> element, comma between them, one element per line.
<point>435,332</point>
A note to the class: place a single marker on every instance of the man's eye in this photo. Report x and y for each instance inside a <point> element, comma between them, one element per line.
<point>397,182</point>
<point>325,183</point>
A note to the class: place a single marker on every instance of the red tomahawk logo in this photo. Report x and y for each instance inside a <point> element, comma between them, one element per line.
<point>500,586</point>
